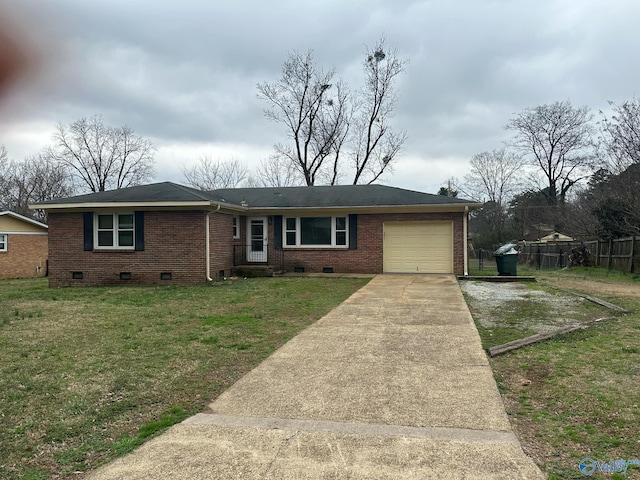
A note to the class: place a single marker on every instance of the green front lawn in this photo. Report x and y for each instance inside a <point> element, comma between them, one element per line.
<point>578,395</point>
<point>88,374</point>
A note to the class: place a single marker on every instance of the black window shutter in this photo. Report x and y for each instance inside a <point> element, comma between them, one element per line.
<point>139,231</point>
<point>353,231</point>
<point>87,218</point>
<point>277,231</point>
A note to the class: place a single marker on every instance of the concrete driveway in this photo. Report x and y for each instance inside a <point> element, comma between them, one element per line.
<point>393,383</point>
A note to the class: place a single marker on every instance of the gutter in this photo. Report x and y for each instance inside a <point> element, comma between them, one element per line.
<point>207,246</point>
<point>465,252</point>
<point>133,205</point>
<point>421,206</point>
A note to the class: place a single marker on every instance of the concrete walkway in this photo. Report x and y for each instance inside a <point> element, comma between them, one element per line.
<point>393,383</point>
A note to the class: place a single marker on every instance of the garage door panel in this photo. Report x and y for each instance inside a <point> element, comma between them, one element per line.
<point>418,247</point>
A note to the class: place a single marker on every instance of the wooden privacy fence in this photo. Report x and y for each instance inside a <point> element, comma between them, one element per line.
<point>619,254</point>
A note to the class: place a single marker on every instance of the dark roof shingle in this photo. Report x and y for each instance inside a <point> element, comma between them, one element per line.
<point>271,197</point>
<point>155,192</point>
<point>332,196</point>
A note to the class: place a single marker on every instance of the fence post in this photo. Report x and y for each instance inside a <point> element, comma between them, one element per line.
<point>633,245</point>
<point>538,258</point>
<point>610,253</point>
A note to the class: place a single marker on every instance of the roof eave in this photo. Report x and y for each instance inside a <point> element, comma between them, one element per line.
<point>151,205</point>
<point>457,207</point>
<point>23,218</point>
<point>248,208</point>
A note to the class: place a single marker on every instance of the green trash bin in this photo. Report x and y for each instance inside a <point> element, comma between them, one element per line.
<point>507,260</point>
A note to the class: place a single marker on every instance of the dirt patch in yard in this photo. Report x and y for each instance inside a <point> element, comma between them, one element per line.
<point>521,305</point>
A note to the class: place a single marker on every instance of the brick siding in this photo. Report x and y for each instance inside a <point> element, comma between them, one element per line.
<point>221,244</point>
<point>367,258</point>
<point>26,256</point>
<point>174,242</point>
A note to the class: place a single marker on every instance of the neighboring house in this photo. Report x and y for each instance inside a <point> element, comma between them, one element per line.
<point>23,246</point>
<point>544,234</point>
<point>556,237</point>
<point>169,233</point>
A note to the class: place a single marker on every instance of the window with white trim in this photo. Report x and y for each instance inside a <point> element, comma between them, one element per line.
<point>3,242</point>
<point>341,231</point>
<point>114,230</point>
<point>315,231</point>
<point>236,230</point>
<point>290,231</point>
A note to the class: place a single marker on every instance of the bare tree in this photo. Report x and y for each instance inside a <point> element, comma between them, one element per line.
<point>101,157</point>
<point>375,144</point>
<point>494,176</point>
<point>336,128</point>
<point>326,123</point>
<point>4,177</point>
<point>621,135</point>
<point>4,161</point>
<point>275,171</point>
<point>557,138</point>
<point>210,174</point>
<point>300,100</point>
<point>34,180</point>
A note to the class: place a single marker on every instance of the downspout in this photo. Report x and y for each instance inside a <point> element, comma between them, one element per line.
<point>207,246</point>
<point>466,246</point>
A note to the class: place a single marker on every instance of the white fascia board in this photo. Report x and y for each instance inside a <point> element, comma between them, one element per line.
<point>451,207</point>
<point>9,213</point>
<point>132,205</point>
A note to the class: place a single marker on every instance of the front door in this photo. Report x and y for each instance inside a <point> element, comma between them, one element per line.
<point>256,239</point>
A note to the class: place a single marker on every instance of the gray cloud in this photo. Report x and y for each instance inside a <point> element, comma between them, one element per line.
<point>186,72</point>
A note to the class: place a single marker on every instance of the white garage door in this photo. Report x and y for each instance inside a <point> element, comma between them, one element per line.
<point>418,247</point>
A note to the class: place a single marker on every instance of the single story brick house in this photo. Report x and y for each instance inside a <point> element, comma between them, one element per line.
<point>23,246</point>
<point>167,233</point>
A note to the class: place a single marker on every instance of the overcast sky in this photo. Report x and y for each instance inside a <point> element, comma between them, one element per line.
<point>183,73</point>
